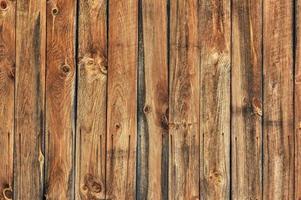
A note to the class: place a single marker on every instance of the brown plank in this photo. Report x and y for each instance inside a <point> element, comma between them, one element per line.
<point>29,101</point>
<point>184,141</point>
<point>246,99</point>
<point>278,174</point>
<point>152,174</point>
<point>215,99</point>
<point>91,101</point>
<point>7,83</point>
<point>60,81</point>
<point>122,95</point>
<point>298,100</point>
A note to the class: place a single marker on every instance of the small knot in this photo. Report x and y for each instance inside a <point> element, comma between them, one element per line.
<point>55,11</point>
<point>117,126</point>
<point>147,109</point>
<point>3,5</point>
<point>66,69</point>
<point>8,193</point>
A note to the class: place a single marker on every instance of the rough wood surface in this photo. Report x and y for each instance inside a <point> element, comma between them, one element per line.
<point>60,84</point>
<point>122,96</point>
<point>297,100</point>
<point>184,132</point>
<point>215,99</point>
<point>246,99</point>
<point>278,174</point>
<point>152,173</point>
<point>7,89</point>
<point>29,99</point>
<point>91,100</point>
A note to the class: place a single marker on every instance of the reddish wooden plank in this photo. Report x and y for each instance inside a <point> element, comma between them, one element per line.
<point>29,99</point>
<point>122,94</point>
<point>278,133</point>
<point>60,81</point>
<point>184,101</point>
<point>246,99</point>
<point>7,83</point>
<point>215,98</point>
<point>91,104</point>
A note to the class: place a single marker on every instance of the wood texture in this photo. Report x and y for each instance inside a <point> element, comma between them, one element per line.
<point>152,173</point>
<point>215,99</point>
<point>91,100</point>
<point>29,101</point>
<point>184,101</point>
<point>7,89</point>
<point>246,99</point>
<point>122,95</point>
<point>60,85</point>
<point>297,107</point>
<point>278,174</point>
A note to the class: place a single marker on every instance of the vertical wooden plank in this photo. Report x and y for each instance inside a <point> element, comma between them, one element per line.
<point>215,99</point>
<point>7,85</point>
<point>246,99</point>
<point>278,174</point>
<point>122,95</point>
<point>29,99</point>
<point>297,106</point>
<point>184,100</point>
<point>60,81</point>
<point>152,174</point>
<point>91,105</point>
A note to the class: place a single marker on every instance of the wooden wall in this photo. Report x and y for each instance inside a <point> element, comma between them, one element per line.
<point>150,99</point>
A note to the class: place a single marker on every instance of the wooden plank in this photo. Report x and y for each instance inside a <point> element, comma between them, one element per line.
<point>297,99</point>
<point>152,174</point>
<point>184,141</point>
<point>29,101</point>
<point>122,95</point>
<point>7,85</point>
<point>278,174</point>
<point>91,104</point>
<point>215,99</point>
<point>60,81</point>
<point>246,99</point>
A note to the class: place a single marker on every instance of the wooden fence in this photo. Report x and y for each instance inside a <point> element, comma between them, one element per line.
<point>150,99</point>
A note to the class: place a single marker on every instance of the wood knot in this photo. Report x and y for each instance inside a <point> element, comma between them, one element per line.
<point>117,126</point>
<point>93,68</point>
<point>65,68</point>
<point>8,193</point>
<point>55,11</point>
<point>92,188</point>
<point>3,5</point>
<point>147,109</point>
<point>256,106</point>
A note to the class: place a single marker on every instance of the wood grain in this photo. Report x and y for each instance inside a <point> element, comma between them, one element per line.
<point>297,99</point>
<point>278,174</point>
<point>29,99</point>
<point>7,89</point>
<point>152,174</point>
<point>122,96</point>
<point>184,101</point>
<point>91,101</point>
<point>60,84</point>
<point>215,99</point>
<point>246,99</point>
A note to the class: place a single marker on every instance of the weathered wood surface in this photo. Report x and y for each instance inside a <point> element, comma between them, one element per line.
<point>215,66</point>
<point>29,99</point>
<point>60,94</point>
<point>7,89</point>
<point>150,99</point>
<point>297,80</point>
<point>278,118</point>
<point>122,96</point>
<point>152,157</point>
<point>246,99</point>
<point>91,100</point>
<point>184,130</point>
